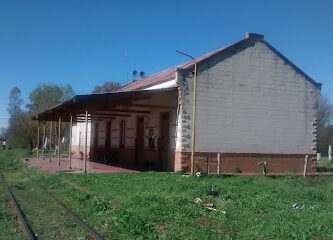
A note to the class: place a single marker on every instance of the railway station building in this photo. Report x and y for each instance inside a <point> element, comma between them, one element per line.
<point>249,103</point>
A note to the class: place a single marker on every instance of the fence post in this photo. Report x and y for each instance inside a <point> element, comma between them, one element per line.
<point>305,165</point>
<point>218,163</point>
<point>208,158</point>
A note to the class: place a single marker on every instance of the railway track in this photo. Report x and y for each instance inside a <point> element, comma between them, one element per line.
<point>26,228</point>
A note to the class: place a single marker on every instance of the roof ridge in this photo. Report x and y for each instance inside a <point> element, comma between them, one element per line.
<point>165,74</point>
<point>131,85</point>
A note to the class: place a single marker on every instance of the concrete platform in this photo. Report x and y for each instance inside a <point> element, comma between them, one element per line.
<point>77,166</point>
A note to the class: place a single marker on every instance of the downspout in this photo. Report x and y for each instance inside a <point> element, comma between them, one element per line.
<point>194,109</point>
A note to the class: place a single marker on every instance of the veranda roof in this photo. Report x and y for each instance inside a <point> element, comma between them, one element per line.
<point>98,102</point>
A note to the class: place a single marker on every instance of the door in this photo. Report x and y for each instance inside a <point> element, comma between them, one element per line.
<point>139,140</point>
<point>96,137</point>
<point>108,136</point>
<point>164,141</point>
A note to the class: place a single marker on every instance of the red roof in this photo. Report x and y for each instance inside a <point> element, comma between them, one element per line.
<point>170,73</point>
<point>151,80</point>
<point>167,74</point>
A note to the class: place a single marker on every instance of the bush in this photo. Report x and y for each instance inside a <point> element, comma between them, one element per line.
<point>237,170</point>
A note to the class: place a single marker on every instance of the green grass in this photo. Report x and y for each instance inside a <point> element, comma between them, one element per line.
<point>154,205</point>
<point>325,165</point>
<point>46,219</point>
<point>8,222</point>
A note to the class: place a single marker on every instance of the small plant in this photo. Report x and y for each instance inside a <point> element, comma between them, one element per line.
<point>237,170</point>
<point>212,192</point>
<point>291,171</point>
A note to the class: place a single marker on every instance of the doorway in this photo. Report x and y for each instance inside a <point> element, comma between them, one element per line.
<point>108,136</point>
<point>139,145</point>
<point>96,136</point>
<point>164,141</point>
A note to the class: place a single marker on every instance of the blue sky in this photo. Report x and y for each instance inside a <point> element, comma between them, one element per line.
<point>85,43</point>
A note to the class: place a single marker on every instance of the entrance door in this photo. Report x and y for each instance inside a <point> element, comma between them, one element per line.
<point>164,141</point>
<point>139,140</point>
<point>108,136</point>
<point>96,137</point>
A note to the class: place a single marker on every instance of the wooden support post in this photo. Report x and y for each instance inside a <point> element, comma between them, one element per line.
<point>43,149</point>
<point>264,170</point>
<point>59,140</point>
<point>55,138</point>
<point>37,149</point>
<point>208,159</point>
<point>218,163</point>
<point>264,167</point>
<point>85,144</point>
<point>305,165</point>
<point>50,147</point>
<point>70,142</point>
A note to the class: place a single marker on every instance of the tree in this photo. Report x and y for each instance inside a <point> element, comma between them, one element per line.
<point>324,120</point>
<point>14,106</point>
<point>67,93</point>
<point>48,95</point>
<point>107,87</point>
<point>3,133</point>
<point>15,113</point>
<point>15,101</point>
<point>22,131</point>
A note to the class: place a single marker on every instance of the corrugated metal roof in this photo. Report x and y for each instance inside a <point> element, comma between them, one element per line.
<point>96,101</point>
<point>167,74</point>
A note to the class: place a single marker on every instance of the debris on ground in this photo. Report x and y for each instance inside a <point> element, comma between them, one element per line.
<point>198,200</point>
<point>296,207</point>
<point>198,174</point>
<point>212,192</point>
<point>208,206</point>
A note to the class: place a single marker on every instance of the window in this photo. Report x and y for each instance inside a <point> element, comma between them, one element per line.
<point>122,134</point>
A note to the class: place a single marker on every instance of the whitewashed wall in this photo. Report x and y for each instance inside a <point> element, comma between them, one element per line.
<point>79,139</point>
<point>152,120</point>
<point>251,102</point>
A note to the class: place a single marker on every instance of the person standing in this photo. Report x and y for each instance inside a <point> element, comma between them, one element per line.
<point>4,144</point>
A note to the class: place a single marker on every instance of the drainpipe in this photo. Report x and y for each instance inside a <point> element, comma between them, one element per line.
<point>194,108</point>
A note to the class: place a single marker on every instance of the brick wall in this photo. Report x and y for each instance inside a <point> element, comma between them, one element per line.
<point>245,162</point>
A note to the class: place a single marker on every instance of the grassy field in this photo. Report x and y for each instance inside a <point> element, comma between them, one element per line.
<point>154,205</point>
<point>9,227</point>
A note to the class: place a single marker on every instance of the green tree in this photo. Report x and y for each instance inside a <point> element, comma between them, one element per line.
<point>45,96</point>
<point>107,87</point>
<point>3,133</point>
<point>67,93</point>
<point>324,123</point>
<point>14,106</point>
<point>15,101</point>
<point>48,95</point>
<point>15,114</point>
